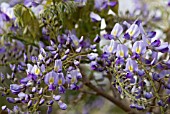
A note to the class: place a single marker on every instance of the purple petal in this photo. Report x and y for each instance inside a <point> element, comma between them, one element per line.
<point>133,31</point>
<point>51,87</point>
<point>122,51</point>
<point>131,65</point>
<point>97,39</point>
<point>139,47</point>
<point>56,97</point>
<point>108,36</point>
<point>117,30</point>
<point>156,43</point>
<point>49,110</point>
<point>163,47</point>
<point>151,34</point>
<point>61,89</point>
<point>127,36</point>
<point>3,107</point>
<point>112,3</point>
<point>95,17</point>
<point>58,65</point>
<point>62,105</point>
<point>2,50</point>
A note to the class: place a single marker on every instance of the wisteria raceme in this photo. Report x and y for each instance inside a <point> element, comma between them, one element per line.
<point>138,68</point>
<point>55,58</point>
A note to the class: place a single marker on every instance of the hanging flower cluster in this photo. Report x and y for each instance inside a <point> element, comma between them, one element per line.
<point>133,59</point>
<point>48,75</point>
<point>47,59</point>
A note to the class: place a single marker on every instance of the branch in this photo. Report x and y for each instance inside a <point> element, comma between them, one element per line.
<point>117,102</point>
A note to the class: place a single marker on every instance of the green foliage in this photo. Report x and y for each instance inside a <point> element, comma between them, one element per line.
<point>65,8</point>
<point>56,16</point>
<point>27,21</point>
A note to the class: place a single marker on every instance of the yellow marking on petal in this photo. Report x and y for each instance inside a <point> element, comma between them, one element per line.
<point>148,42</point>
<point>130,68</point>
<point>37,71</point>
<point>40,57</point>
<point>138,50</point>
<point>114,33</point>
<point>76,42</point>
<point>121,53</point>
<point>59,82</point>
<point>110,49</point>
<point>73,80</point>
<point>131,33</point>
<point>56,68</point>
<point>51,80</point>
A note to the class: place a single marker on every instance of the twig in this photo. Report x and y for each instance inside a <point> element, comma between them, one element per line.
<point>117,102</point>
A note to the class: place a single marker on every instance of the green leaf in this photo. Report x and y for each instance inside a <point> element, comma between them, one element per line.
<point>27,21</point>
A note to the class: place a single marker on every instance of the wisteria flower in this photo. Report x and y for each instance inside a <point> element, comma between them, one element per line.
<point>117,30</point>
<point>16,88</point>
<point>60,82</point>
<point>72,78</point>
<point>122,51</point>
<point>111,49</point>
<point>139,47</point>
<point>95,17</point>
<point>58,66</point>
<point>131,65</point>
<point>51,80</point>
<point>132,32</point>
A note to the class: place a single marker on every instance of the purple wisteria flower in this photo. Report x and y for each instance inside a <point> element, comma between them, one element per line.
<point>132,32</point>
<point>58,65</point>
<point>139,48</point>
<point>30,3</point>
<point>163,47</point>
<point>51,80</point>
<point>122,51</point>
<point>117,30</point>
<point>2,50</point>
<point>16,88</point>
<point>95,17</point>
<point>74,40</point>
<point>103,4</point>
<point>62,105</point>
<point>60,82</point>
<point>32,74</point>
<point>111,49</point>
<point>4,17</point>
<point>72,79</point>
<point>97,39</point>
<point>131,65</point>
<point>33,70</point>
